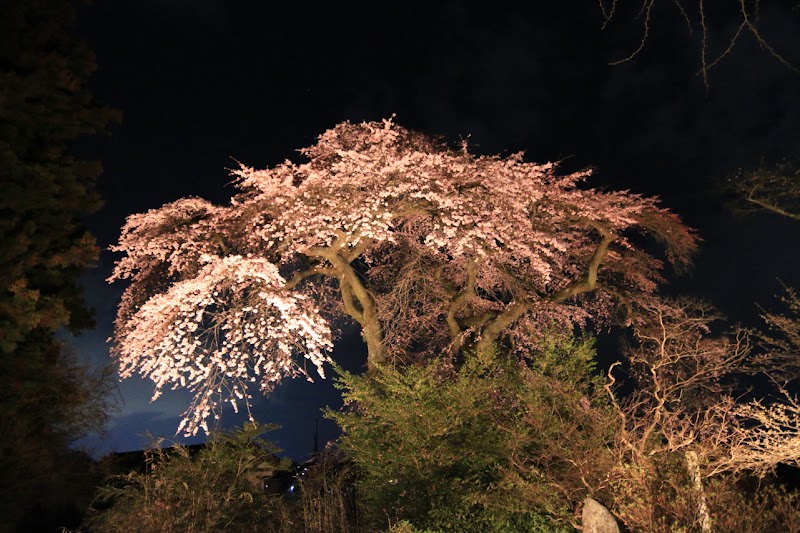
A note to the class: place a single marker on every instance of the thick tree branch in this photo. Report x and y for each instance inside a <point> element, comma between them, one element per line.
<point>585,284</point>
<point>356,252</point>
<point>491,332</point>
<point>457,304</point>
<point>314,270</point>
<point>589,281</point>
<point>772,207</point>
<point>349,302</point>
<point>622,298</point>
<point>354,291</point>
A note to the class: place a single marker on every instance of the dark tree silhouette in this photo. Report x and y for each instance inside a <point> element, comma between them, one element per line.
<point>47,398</point>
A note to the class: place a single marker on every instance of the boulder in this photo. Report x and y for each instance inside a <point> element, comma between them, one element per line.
<point>597,519</point>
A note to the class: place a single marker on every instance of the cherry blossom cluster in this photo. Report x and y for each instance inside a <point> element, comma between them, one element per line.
<point>174,234</point>
<point>365,180</point>
<point>220,330</point>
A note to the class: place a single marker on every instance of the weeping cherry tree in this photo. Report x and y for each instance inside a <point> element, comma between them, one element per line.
<point>429,249</point>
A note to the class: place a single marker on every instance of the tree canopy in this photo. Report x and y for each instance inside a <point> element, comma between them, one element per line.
<point>429,249</point>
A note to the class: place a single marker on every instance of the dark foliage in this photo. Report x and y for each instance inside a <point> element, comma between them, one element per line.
<point>47,399</point>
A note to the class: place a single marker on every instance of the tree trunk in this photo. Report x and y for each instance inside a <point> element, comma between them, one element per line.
<point>376,354</point>
<point>360,305</point>
<point>693,465</point>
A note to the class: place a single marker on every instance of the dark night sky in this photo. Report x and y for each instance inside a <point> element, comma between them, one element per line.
<point>202,81</point>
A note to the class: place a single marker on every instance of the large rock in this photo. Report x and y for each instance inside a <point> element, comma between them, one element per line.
<point>597,519</point>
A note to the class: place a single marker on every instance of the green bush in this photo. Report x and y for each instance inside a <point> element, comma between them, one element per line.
<point>494,445</point>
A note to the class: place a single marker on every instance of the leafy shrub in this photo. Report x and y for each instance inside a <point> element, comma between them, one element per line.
<point>494,445</point>
<point>218,489</point>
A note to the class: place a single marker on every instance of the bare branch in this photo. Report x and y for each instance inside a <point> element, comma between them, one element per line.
<point>647,6</point>
<point>748,24</point>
